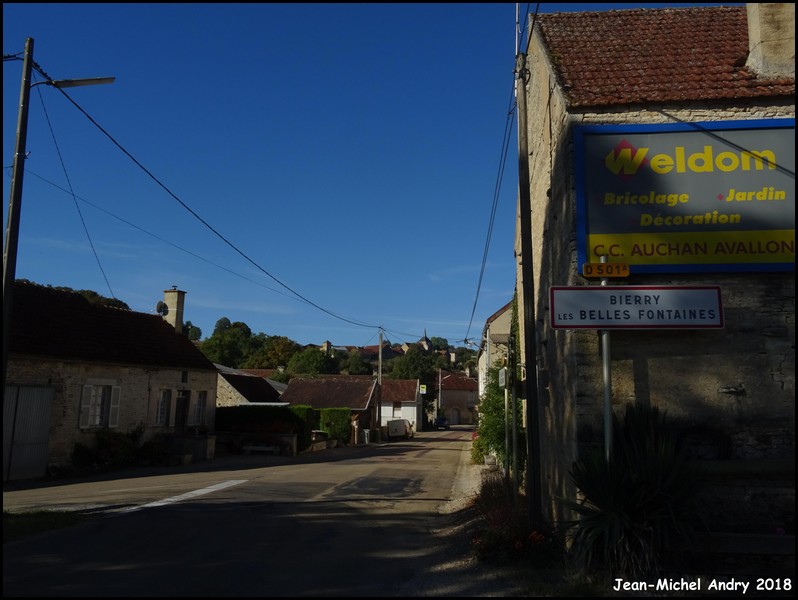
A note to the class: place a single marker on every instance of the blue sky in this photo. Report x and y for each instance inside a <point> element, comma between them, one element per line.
<point>317,171</point>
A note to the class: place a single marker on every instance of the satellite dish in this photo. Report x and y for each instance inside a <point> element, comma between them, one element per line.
<point>161,308</point>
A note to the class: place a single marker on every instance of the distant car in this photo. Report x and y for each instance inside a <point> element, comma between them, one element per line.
<point>441,423</point>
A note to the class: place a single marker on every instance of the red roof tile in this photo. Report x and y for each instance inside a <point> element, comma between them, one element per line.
<point>459,381</point>
<point>399,390</point>
<point>329,392</point>
<point>654,55</point>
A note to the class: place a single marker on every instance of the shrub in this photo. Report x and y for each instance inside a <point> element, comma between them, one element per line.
<point>635,505</point>
<point>82,456</point>
<point>154,451</point>
<point>478,451</point>
<point>505,532</point>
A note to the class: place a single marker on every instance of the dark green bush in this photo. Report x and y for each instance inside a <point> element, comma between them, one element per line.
<point>83,456</point>
<point>639,503</point>
<point>114,448</point>
<point>154,451</point>
<point>337,423</point>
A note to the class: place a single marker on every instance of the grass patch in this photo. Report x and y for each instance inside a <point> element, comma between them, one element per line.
<point>17,526</point>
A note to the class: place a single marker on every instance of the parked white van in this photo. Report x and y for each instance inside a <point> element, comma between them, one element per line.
<point>400,428</point>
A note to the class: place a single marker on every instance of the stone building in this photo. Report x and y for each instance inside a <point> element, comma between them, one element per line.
<point>77,369</point>
<point>717,86</point>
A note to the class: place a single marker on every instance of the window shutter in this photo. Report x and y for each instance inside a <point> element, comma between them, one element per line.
<point>85,406</point>
<point>113,417</point>
<point>192,412</point>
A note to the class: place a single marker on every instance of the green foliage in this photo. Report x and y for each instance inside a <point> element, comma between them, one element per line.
<point>112,449</point>
<point>414,364</point>
<point>439,343</point>
<point>193,332</point>
<point>271,352</point>
<point>479,451</point>
<point>310,419</point>
<point>312,361</point>
<point>155,451</point>
<point>336,422</point>
<point>221,326</point>
<point>505,533</point>
<point>355,365</point>
<point>228,345</point>
<point>635,506</point>
<point>257,424</point>
<point>494,421</point>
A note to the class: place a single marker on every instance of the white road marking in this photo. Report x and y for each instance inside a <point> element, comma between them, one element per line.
<point>187,495</point>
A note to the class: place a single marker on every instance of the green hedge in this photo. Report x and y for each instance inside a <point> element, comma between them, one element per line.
<point>337,423</point>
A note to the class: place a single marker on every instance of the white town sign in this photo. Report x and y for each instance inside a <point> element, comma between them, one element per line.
<point>636,307</point>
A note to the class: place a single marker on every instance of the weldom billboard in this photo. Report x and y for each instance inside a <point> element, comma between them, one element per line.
<point>687,197</point>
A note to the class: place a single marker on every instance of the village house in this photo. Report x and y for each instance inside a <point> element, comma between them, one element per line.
<point>77,368</point>
<point>650,136</point>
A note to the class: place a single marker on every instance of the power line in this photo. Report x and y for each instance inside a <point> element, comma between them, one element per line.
<point>72,193</point>
<point>203,221</point>
<point>496,192</point>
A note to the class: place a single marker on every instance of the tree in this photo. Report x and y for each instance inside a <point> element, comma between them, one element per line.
<point>194,333</point>
<point>311,361</point>
<point>221,325</point>
<point>415,364</point>
<point>230,344</point>
<point>493,423</point>
<point>273,352</point>
<point>439,343</point>
<point>355,365</point>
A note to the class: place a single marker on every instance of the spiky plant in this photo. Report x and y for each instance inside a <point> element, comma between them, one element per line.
<point>635,506</point>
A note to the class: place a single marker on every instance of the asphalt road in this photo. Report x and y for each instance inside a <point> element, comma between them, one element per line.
<point>376,520</point>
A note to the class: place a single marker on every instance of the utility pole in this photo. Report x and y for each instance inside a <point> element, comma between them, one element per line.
<point>511,378</point>
<point>17,174</point>
<point>533,476</point>
<point>15,201</point>
<point>379,389</point>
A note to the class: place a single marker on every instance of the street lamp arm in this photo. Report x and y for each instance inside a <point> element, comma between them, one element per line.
<point>18,171</point>
<point>70,83</point>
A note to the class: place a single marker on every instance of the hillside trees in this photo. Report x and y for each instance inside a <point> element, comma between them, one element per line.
<point>272,352</point>
<point>312,361</point>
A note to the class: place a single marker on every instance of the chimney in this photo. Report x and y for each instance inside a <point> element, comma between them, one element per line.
<point>771,39</point>
<point>174,300</point>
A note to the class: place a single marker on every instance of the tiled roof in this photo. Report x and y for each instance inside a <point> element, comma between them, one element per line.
<point>252,388</point>
<point>399,390</point>
<point>265,373</point>
<point>459,381</point>
<point>654,55</point>
<point>59,324</point>
<point>326,392</point>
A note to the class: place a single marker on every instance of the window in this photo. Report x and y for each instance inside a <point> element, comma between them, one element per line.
<point>196,415</point>
<point>163,409</point>
<point>99,406</point>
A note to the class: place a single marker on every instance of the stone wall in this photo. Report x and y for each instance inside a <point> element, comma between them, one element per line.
<point>734,388</point>
<point>140,391</point>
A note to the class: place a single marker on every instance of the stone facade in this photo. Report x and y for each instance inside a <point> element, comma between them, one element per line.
<point>734,388</point>
<point>139,394</point>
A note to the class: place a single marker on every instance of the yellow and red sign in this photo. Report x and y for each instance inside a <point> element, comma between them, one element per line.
<point>687,197</point>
